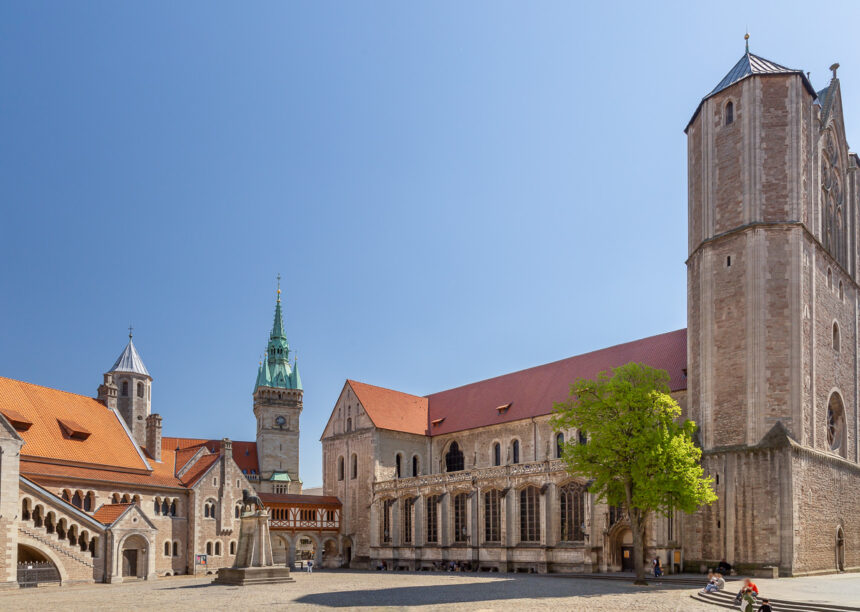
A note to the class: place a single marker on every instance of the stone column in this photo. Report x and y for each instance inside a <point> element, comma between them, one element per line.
<point>445,528</point>
<point>550,530</point>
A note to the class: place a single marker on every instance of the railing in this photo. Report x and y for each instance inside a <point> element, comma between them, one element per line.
<point>34,573</point>
<point>306,525</point>
<point>500,471</point>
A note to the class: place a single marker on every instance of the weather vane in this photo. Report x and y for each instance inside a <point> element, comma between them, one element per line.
<point>130,330</point>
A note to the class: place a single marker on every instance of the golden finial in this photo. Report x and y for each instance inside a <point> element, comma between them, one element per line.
<point>279,286</point>
<point>747,41</point>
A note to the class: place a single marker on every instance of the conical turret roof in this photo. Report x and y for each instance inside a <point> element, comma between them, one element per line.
<point>130,361</point>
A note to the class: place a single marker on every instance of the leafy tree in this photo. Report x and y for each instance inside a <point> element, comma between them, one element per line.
<point>638,453</point>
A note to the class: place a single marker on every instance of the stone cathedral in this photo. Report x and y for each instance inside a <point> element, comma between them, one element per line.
<point>768,367</point>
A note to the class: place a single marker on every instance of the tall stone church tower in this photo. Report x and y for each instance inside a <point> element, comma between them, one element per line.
<point>128,388</point>
<point>277,407</point>
<point>772,318</point>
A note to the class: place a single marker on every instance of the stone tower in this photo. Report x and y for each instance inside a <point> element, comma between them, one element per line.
<point>772,301</point>
<point>277,407</point>
<point>129,384</point>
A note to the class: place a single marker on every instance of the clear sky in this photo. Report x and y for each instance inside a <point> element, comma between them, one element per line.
<point>451,190</point>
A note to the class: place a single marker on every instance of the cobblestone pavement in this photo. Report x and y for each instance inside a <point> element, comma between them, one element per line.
<point>354,589</point>
<point>436,591</point>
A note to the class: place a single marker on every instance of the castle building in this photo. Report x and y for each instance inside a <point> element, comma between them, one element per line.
<point>767,367</point>
<point>91,491</point>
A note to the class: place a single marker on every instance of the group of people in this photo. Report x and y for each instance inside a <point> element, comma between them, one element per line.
<point>746,597</point>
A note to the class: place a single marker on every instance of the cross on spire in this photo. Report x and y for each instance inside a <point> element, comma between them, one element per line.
<point>130,330</point>
<point>279,286</point>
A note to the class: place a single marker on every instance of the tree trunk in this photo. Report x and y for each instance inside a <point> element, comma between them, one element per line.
<point>637,522</point>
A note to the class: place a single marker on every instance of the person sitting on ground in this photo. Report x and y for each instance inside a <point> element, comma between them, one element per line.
<point>748,585</point>
<point>724,567</point>
<point>765,605</point>
<point>710,581</point>
<point>717,584</point>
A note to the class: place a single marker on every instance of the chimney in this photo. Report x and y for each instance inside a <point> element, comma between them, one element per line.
<point>153,436</point>
<point>108,392</point>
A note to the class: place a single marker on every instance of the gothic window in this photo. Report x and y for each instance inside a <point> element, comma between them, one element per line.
<point>386,520</point>
<point>829,278</point>
<point>583,437</point>
<point>415,466</point>
<point>529,514</point>
<point>492,516</point>
<point>515,451</point>
<point>836,424</point>
<point>233,547</point>
<point>835,336</point>
<point>354,473</point>
<point>432,511</point>
<point>349,424</point>
<point>408,504</point>
<point>461,532</point>
<point>616,513</point>
<point>208,548</point>
<point>340,468</point>
<point>841,292</point>
<point>140,389</point>
<point>398,460</point>
<point>730,113</point>
<point>571,499</point>
<point>559,444</point>
<point>454,459</point>
<point>167,549</point>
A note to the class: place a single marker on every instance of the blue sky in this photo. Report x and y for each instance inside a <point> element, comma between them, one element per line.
<point>450,190</point>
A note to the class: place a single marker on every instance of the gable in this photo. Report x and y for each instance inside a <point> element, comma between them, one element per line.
<point>392,410</point>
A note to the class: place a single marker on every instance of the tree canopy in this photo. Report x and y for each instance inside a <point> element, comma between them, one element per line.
<point>639,454</point>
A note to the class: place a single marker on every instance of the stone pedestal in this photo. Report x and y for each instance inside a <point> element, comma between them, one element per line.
<point>253,564</point>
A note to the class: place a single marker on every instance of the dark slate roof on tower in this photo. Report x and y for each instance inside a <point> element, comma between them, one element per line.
<point>130,361</point>
<point>749,65</point>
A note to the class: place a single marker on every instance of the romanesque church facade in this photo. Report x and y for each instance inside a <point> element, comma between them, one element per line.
<point>767,367</point>
<point>90,490</point>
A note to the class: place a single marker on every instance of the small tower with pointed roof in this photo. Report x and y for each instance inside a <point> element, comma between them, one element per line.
<point>277,407</point>
<point>128,387</point>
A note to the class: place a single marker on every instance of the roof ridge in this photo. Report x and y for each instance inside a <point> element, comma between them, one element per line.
<point>24,382</point>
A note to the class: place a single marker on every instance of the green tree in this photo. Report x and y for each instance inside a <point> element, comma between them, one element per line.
<point>638,453</point>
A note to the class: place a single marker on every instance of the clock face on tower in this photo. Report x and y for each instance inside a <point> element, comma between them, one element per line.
<point>280,420</point>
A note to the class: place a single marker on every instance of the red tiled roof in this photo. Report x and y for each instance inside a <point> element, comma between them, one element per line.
<point>244,453</point>
<point>295,500</point>
<point>107,442</point>
<point>108,513</point>
<point>198,469</point>
<point>394,410</point>
<point>532,392</point>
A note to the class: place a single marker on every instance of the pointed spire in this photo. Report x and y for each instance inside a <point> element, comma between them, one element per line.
<point>129,360</point>
<point>275,371</point>
<point>747,41</point>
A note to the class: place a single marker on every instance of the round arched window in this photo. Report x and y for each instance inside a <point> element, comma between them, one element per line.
<point>836,424</point>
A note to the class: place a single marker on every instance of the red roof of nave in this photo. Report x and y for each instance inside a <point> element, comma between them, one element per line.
<point>244,453</point>
<point>526,393</point>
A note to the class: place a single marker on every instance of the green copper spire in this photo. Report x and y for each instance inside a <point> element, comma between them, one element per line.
<point>275,371</point>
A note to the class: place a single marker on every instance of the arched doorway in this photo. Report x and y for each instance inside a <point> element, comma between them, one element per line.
<point>330,554</point>
<point>840,550</point>
<point>621,549</point>
<point>306,548</point>
<point>134,557</point>
<point>35,568</point>
<point>346,543</point>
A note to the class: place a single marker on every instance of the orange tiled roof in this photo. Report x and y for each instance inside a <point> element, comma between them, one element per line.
<point>39,472</point>
<point>244,453</point>
<point>198,469</point>
<point>108,513</point>
<point>107,444</point>
<point>394,410</point>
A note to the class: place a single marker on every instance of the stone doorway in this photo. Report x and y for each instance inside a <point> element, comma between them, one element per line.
<point>840,550</point>
<point>626,558</point>
<point>134,557</point>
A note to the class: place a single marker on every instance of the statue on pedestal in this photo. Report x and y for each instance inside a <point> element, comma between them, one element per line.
<point>253,564</point>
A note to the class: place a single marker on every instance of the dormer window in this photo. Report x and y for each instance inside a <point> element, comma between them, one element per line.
<point>730,113</point>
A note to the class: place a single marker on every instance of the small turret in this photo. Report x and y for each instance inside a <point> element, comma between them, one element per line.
<point>134,385</point>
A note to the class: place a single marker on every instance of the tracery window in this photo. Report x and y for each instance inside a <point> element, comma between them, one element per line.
<point>559,445</point>
<point>616,513</point>
<point>492,516</point>
<point>431,504</point>
<point>571,499</point>
<point>836,424</point>
<point>461,531</point>
<point>454,459</point>
<point>408,505</point>
<point>386,520</point>
<point>529,514</point>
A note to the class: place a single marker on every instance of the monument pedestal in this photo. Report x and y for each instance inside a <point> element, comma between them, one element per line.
<point>253,564</point>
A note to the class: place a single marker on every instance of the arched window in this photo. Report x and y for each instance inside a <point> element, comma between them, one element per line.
<point>349,424</point>
<point>167,549</point>
<point>529,514</point>
<point>497,454</point>
<point>77,500</point>
<point>340,468</point>
<point>461,531</point>
<point>89,501</point>
<point>173,508</point>
<point>114,498</point>
<point>233,547</point>
<point>354,472</point>
<point>515,451</point>
<point>408,504</point>
<point>571,499</point>
<point>217,549</point>
<point>126,499</point>
<point>454,459</point>
<point>415,466</point>
<point>67,496</point>
<point>208,548</point>
<point>559,445</point>
<point>156,506</point>
<point>730,113</point>
<point>236,511</point>
<point>829,278</point>
<point>841,291</point>
<point>431,509</point>
<point>164,507</point>
<point>175,548</point>
<point>398,460</point>
<point>835,336</point>
<point>140,389</point>
<point>836,424</point>
<point>125,388</point>
<point>492,516</point>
